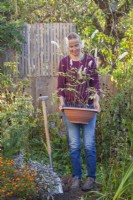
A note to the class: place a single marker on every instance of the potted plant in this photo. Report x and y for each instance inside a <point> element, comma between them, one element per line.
<point>77,111</point>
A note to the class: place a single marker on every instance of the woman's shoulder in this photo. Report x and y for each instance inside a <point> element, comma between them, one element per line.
<point>64,63</point>
<point>65,59</point>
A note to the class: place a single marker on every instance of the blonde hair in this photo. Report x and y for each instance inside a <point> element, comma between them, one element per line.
<point>73,35</point>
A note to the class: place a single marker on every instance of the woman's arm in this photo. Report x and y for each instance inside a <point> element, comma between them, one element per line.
<point>96,103</point>
<point>95,83</point>
<point>62,102</point>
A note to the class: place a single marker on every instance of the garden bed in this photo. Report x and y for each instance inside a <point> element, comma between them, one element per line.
<point>74,194</point>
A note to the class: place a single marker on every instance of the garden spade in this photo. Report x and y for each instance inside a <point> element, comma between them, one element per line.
<point>43,99</point>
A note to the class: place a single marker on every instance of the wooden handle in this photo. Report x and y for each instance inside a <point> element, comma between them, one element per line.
<point>47,131</point>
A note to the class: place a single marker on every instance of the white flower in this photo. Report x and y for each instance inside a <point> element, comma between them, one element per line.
<point>94,33</point>
<point>82,44</point>
<point>66,41</point>
<point>71,62</point>
<point>80,72</point>
<point>85,70</point>
<point>90,63</point>
<point>122,55</point>
<point>95,53</point>
<point>55,43</point>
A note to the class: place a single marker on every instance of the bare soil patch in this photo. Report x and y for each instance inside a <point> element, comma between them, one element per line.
<point>75,194</point>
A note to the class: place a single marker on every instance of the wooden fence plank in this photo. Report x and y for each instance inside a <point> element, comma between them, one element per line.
<point>35,48</point>
<point>41,49</point>
<point>51,52</point>
<point>22,57</point>
<point>28,44</point>
<point>44,47</point>
<point>48,51</point>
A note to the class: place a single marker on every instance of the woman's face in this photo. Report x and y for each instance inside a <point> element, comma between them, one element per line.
<point>74,46</point>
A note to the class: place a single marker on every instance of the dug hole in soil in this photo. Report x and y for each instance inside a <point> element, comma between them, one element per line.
<point>75,194</point>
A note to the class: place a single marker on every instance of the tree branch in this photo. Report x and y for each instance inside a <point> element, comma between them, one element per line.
<point>124,9</point>
<point>103,5</point>
<point>97,24</point>
<point>95,21</point>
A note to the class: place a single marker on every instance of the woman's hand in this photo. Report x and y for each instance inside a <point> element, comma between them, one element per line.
<point>96,103</point>
<point>61,107</point>
<point>62,103</point>
<point>96,106</point>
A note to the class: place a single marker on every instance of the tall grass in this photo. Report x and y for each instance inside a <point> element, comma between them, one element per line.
<point>126,184</point>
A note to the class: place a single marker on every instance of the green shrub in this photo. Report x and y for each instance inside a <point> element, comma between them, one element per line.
<point>115,140</point>
<point>17,111</point>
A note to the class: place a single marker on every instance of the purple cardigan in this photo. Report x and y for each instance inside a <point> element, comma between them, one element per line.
<point>86,65</point>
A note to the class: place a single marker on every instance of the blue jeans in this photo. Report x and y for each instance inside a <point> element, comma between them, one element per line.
<point>88,133</point>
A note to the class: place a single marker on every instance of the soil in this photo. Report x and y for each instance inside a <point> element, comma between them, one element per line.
<point>75,194</point>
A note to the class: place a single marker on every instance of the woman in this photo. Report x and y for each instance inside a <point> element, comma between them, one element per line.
<point>77,60</point>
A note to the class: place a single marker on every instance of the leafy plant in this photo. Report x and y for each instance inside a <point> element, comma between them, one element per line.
<point>10,28</point>
<point>17,111</point>
<point>114,137</point>
<point>60,152</point>
<point>78,85</point>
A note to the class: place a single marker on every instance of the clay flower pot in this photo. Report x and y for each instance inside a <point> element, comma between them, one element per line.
<point>79,115</point>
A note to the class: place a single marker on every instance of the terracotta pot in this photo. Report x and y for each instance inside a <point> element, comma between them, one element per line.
<point>79,115</point>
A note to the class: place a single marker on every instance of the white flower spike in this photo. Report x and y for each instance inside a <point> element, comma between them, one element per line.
<point>94,33</point>
<point>82,44</point>
<point>66,41</point>
<point>80,72</point>
<point>71,62</point>
<point>55,43</point>
<point>122,55</point>
<point>90,63</point>
<point>85,69</point>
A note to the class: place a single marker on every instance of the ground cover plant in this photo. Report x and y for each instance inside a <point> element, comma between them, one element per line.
<point>16,183</point>
<point>27,180</point>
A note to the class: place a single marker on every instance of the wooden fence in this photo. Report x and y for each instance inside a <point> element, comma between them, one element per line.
<point>39,56</point>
